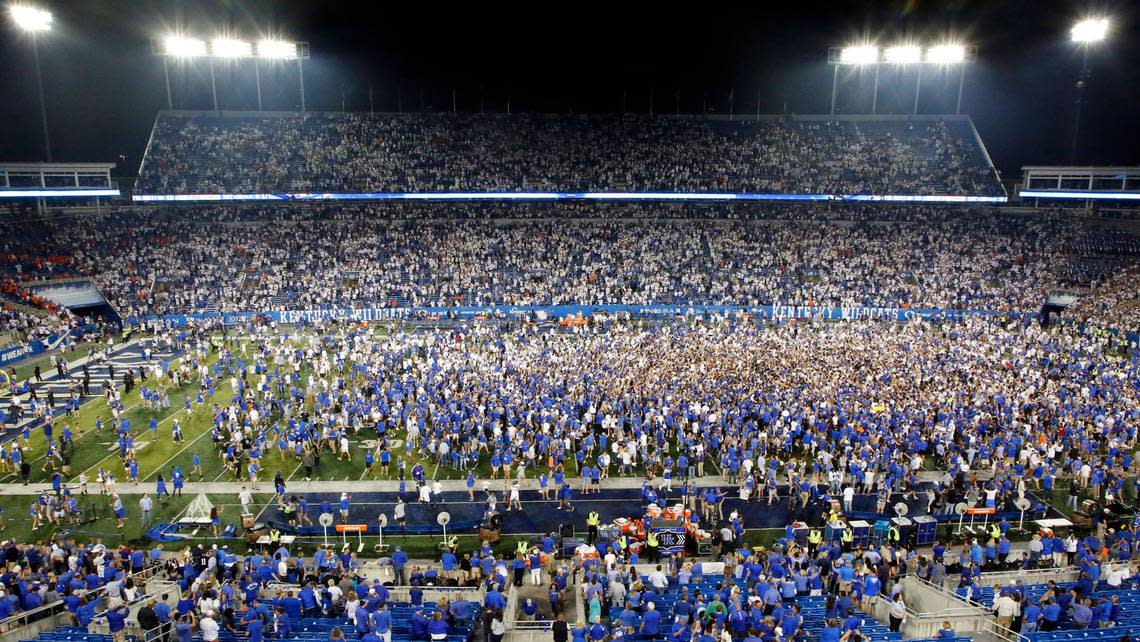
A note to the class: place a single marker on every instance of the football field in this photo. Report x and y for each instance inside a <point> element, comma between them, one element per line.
<point>158,453</point>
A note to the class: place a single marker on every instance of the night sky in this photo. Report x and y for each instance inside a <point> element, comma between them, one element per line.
<point>104,87</point>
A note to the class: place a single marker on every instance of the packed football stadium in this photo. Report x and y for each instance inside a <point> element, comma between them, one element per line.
<point>298,368</point>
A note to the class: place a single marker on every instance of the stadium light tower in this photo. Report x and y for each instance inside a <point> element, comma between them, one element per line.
<point>857,55</point>
<point>280,50</point>
<point>34,21</point>
<point>231,50</point>
<point>903,54</point>
<point>900,55</point>
<point>1085,34</point>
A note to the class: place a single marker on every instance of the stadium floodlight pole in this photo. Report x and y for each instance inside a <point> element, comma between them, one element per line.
<point>257,81</point>
<point>40,91</point>
<point>834,88</point>
<point>213,85</point>
<point>166,75</point>
<point>33,21</point>
<point>1085,33</point>
<point>961,84</point>
<point>875,91</point>
<point>917,89</point>
<point>301,82</point>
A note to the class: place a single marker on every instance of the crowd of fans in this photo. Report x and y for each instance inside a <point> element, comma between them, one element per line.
<point>152,262</point>
<point>352,152</point>
<point>1113,303</point>
<point>822,408</point>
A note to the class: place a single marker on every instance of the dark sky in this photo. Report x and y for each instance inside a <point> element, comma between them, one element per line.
<point>104,86</point>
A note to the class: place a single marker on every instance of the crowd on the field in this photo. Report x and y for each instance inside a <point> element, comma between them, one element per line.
<point>171,262</point>
<point>810,407</point>
<point>1114,303</point>
<point>818,408</point>
<point>353,152</point>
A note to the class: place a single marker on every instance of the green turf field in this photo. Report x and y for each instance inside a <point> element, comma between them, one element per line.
<point>98,450</point>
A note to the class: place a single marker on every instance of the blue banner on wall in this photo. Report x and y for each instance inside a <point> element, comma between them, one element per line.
<point>14,353</point>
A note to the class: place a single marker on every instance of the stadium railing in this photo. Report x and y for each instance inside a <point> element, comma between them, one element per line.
<point>929,606</point>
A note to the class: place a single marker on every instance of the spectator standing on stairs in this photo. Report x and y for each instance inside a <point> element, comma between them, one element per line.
<point>897,614</point>
<point>1005,608</point>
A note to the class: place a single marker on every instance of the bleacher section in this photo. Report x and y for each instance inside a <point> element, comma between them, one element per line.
<point>306,629</point>
<point>812,609</point>
<point>348,153</point>
<point>1067,630</point>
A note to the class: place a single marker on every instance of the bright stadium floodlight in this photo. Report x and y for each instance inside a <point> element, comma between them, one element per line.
<point>276,50</point>
<point>946,54</point>
<point>30,19</point>
<point>903,54</point>
<point>1090,30</point>
<point>230,48</point>
<point>859,55</point>
<point>183,47</point>
<point>1086,33</point>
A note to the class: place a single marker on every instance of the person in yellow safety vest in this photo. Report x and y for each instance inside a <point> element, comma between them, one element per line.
<point>622,543</point>
<point>453,543</point>
<point>893,534</point>
<point>995,531</point>
<point>274,536</point>
<point>651,546</point>
<point>815,537</point>
<point>592,522</point>
<point>848,538</point>
<point>522,546</point>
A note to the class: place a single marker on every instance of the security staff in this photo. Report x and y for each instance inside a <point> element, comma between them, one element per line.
<point>592,522</point>
<point>651,544</point>
<point>815,537</point>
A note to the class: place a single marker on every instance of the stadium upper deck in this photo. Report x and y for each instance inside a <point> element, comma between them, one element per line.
<point>195,155</point>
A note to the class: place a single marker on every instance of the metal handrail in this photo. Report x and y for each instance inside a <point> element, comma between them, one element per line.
<point>974,605</point>
<point>1002,633</point>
